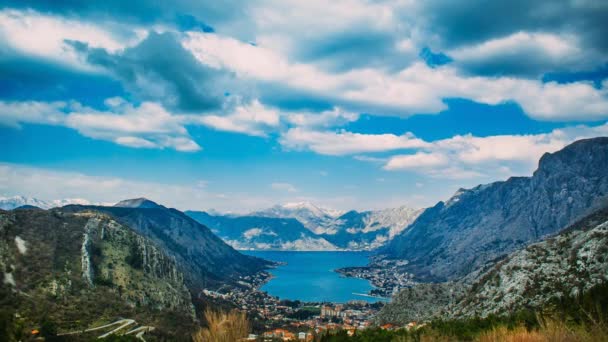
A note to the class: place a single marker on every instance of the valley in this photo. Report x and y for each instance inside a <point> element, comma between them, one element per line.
<point>151,272</point>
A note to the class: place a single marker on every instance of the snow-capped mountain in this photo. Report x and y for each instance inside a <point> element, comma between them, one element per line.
<point>262,233</point>
<point>317,219</point>
<point>395,219</point>
<point>305,226</point>
<point>9,203</point>
<point>369,229</point>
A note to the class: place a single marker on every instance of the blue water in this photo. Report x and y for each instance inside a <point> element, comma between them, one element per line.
<point>309,276</point>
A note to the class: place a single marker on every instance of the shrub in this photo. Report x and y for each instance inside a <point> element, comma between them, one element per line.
<point>223,327</point>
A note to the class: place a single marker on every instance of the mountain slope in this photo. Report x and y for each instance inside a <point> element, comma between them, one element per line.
<point>202,256</point>
<point>262,233</point>
<point>565,265</point>
<point>78,269</point>
<point>487,222</point>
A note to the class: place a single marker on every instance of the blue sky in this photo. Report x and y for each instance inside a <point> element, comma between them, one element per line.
<point>238,106</point>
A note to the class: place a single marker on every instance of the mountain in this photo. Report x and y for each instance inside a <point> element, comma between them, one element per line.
<point>281,228</point>
<point>262,233</point>
<point>9,203</point>
<point>568,264</point>
<point>203,257</point>
<point>485,223</point>
<point>137,203</point>
<point>71,271</point>
<point>369,229</point>
<point>317,219</point>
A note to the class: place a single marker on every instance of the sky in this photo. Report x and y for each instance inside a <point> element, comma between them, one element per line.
<point>240,105</point>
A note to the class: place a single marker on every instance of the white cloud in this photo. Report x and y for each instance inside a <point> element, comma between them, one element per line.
<point>328,118</point>
<point>41,35</point>
<point>416,161</point>
<point>549,46</point>
<point>252,119</point>
<point>467,156</point>
<point>287,187</point>
<point>344,143</point>
<point>417,88</point>
<point>148,125</point>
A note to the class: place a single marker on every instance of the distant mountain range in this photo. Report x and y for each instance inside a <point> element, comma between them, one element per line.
<point>304,226</point>
<point>292,226</point>
<point>317,219</point>
<point>485,223</point>
<point>9,203</point>
<point>262,233</point>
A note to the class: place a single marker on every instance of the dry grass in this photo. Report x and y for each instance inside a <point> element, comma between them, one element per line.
<point>223,327</point>
<point>550,332</point>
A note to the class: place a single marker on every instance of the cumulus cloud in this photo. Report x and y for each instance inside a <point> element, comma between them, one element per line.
<point>467,156</point>
<point>160,69</point>
<point>416,161</point>
<point>45,36</point>
<point>524,54</point>
<point>328,118</point>
<point>344,143</point>
<point>418,88</point>
<point>148,125</point>
<point>252,119</point>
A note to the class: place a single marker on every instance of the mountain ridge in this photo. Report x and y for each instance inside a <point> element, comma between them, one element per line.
<point>486,222</point>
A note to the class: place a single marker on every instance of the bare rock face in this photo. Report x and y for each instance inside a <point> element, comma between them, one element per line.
<point>483,224</point>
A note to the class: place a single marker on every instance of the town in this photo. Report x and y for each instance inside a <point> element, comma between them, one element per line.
<point>386,275</point>
<point>273,318</point>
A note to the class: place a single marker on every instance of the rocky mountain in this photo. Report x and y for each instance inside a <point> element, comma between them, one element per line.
<point>262,233</point>
<point>9,203</point>
<point>317,219</point>
<point>203,257</point>
<point>369,229</point>
<point>138,203</point>
<point>70,270</point>
<point>280,228</point>
<point>485,223</point>
<point>565,265</point>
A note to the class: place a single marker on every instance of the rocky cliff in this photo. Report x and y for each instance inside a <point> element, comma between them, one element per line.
<point>487,222</point>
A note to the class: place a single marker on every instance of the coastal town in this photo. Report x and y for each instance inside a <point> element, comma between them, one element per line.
<point>280,319</point>
<point>386,275</point>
